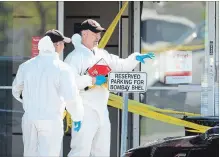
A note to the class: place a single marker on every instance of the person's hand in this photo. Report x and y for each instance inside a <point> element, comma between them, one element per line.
<point>77,126</point>
<point>99,80</point>
<point>141,58</point>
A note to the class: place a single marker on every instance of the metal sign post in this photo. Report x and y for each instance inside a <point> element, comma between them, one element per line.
<point>124,128</point>
<point>126,82</point>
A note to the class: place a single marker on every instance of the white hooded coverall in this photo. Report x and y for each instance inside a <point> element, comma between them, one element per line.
<point>47,86</point>
<point>94,136</point>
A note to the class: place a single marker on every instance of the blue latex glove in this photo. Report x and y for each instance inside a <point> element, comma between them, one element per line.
<point>77,126</point>
<point>141,58</point>
<point>100,80</point>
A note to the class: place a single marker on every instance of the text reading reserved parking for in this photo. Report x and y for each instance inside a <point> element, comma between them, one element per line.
<point>127,81</point>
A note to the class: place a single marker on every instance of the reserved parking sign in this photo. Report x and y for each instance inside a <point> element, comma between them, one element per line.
<point>127,82</point>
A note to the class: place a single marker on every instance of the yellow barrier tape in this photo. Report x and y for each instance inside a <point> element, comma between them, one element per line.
<point>180,48</point>
<point>195,131</point>
<point>155,115</point>
<point>68,122</point>
<point>170,111</point>
<point>64,114</point>
<point>111,28</point>
<point>150,112</point>
<point>141,106</point>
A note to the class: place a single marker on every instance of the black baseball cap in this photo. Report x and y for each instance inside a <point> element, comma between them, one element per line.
<point>57,36</point>
<point>92,25</point>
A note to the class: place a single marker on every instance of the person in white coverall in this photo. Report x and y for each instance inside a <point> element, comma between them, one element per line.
<point>94,137</point>
<point>47,86</point>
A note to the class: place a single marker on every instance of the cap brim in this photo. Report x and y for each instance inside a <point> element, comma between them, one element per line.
<point>67,40</point>
<point>100,29</point>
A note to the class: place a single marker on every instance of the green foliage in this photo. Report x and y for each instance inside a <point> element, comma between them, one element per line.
<point>32,17</point>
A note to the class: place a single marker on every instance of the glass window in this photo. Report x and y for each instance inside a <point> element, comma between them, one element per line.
<point>154,30</point>
<point>177,38</point>
<point>175,31</point>
<point>19,22</point>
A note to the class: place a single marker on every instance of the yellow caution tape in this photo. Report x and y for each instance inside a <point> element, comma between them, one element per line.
<point>141,106</point>
<point>111,28</point>
<point>146,112</point>
<point>178,48</point>
<point>150,112</point>
<point>64,114</point>
<point>170,111</point>
<point>105,85</point>
<point>195,131</point>
<point>68,122</point>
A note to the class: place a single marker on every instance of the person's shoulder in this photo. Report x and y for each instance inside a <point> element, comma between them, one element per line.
<point>74,53</point>
<point>73,57</point>
<point>27,62</point>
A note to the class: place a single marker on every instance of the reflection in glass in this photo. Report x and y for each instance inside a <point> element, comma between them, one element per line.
<point>170,33</point>
<point>172,100</point>
<point>159,30</point>
<point>175,31</point>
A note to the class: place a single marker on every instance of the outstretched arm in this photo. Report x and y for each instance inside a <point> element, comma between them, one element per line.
<point>129,63</point>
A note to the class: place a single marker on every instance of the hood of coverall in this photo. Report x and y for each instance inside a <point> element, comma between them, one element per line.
<point>45,46</point>
<point>76,40</point>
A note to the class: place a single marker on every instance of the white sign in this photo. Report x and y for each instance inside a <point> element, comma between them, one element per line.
<point>127,82</point>
<point>178,67</point>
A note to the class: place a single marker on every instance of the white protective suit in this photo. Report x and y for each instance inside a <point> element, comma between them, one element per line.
<point>94,136</point>
<point>47,86</point>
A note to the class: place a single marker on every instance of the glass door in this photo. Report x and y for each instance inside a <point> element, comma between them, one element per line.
<point>20,24</point>
<point>177,33</point>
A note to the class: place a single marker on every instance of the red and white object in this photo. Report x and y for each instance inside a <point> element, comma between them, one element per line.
<point>34,47</point>
<point>177,67</point>
<point>100,68</point>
